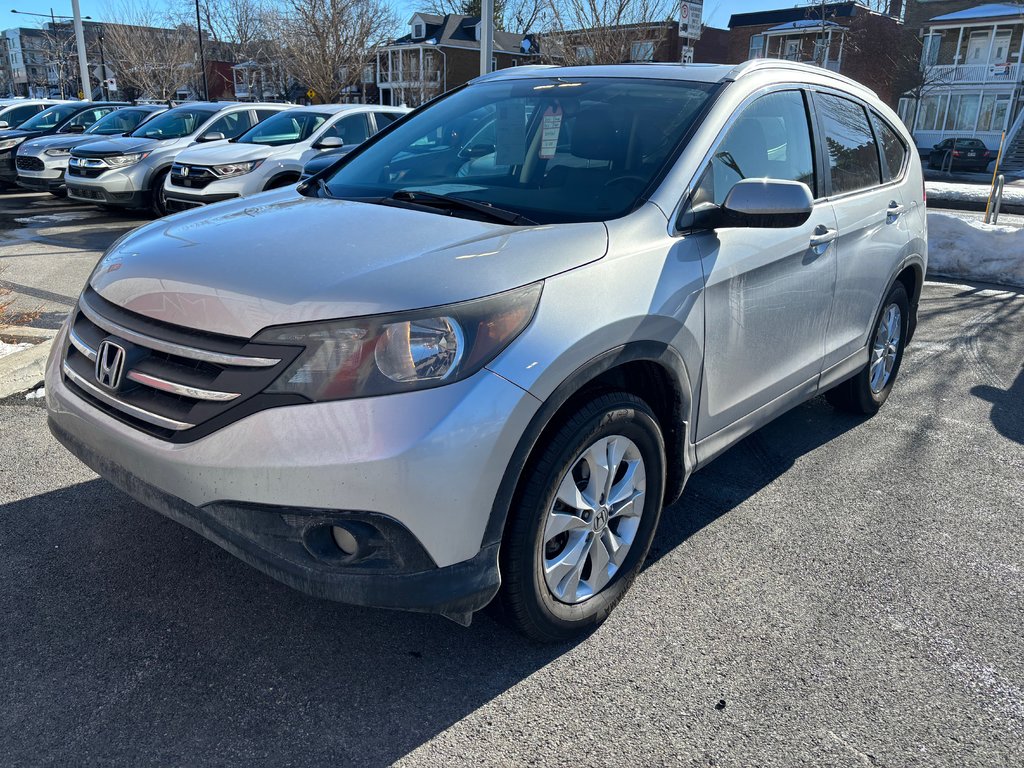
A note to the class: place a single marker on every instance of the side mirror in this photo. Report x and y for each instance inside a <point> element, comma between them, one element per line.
<point>935,146</point>
<point>330,142</point>
<point>763,203</point>
<point>75,129</point>
<point>4,124</point>
<point>212,136</point>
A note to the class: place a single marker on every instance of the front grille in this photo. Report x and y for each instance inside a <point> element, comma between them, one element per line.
<point>85,173</point>
<point>175,383</point>
<point>90,194</point>
<point>191,176</point>
<point>25,163</point>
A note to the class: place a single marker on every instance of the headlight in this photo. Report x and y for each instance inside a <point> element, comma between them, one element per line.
<point>382,355</point>
<point>120,161</point>
<point>8,143</point>
<point>235,169</point>
<point>57,152</point>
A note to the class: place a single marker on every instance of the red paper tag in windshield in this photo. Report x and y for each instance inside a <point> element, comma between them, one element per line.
<point>549,130</point>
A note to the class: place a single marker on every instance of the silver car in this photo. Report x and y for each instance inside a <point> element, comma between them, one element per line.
<point>129,172</point>
<point>43,162</point>
<point>423,381</point>
<point>271,154</point>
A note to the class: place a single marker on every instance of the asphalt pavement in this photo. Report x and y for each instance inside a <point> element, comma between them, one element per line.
<point>832,591</point>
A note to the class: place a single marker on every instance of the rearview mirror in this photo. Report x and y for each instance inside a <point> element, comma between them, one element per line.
<point>330,142</point>
<point>213,136</point>
<point>766,203</point>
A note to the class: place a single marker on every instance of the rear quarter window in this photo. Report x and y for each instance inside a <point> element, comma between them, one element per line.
<point>893,149</point>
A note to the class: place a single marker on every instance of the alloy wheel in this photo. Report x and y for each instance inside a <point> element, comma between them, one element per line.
<point>885,348</point>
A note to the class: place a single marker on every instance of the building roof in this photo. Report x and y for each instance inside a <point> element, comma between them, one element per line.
<point>803,24</point>
<point>799,13</point>
<point>989,11</point>
<point>460,31</point>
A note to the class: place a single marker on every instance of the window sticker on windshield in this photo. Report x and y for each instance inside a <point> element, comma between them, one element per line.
<point>510,133</point>
<point>550,129</point>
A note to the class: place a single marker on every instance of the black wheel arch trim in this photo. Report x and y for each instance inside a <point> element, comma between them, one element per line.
<point>676,473</point>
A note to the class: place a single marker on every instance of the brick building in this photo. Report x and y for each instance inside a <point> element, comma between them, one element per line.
<point>838,36</point>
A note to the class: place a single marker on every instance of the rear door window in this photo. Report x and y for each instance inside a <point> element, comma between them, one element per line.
<point>352,130</point>
<point>850,147</point>
<point>893,149</point>
<point>88,117</point>
<point>18,115</point>
<point>232,124</point>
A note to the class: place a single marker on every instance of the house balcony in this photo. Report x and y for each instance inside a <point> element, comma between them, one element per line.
<point>407,79</point>
<point>974,74</point>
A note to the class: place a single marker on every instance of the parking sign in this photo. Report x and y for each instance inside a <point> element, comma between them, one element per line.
<point>689,20</point>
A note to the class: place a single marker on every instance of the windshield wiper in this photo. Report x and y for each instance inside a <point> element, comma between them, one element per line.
<point>434,200</point>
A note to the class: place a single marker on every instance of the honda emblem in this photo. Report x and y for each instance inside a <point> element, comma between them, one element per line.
<point>110,364</point>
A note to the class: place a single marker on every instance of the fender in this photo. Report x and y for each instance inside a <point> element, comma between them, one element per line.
<point>678,432</point>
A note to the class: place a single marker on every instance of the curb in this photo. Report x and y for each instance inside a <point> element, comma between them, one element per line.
<point>23,370</point>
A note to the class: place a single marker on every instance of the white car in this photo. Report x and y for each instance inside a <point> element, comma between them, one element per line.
<point>271,155</point>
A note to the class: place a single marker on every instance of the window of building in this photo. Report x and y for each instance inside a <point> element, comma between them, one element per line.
<point>793,47</point>
<point>932,112</point>
<point>642,50</point>
<point>852,151</point>
<point>992,115</point>
<point>419,30</point>
<point>585,53</point>
<point>962,114</point>
<point>756,50</point>
<point>930,50</point>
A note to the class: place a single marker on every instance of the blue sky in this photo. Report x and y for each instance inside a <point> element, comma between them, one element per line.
<point>716,12</point>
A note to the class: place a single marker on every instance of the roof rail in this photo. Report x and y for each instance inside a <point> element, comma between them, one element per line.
<point>759,65</point>
<point>506,71</point>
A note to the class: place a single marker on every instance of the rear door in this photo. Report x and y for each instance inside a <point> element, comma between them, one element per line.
<point>871,214</point>
<point>768,292</point>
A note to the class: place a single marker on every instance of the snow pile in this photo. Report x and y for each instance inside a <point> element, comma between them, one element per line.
<point>972,249</point>
<point>10,349</point>
<point>36,394</point>
<point>974,193</point>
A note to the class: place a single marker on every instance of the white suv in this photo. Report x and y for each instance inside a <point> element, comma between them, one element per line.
<point>273,153</point>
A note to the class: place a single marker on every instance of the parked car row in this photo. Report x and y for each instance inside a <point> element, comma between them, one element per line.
<point>118,155</point>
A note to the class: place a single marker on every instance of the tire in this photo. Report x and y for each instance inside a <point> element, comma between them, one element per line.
<point>159,204</point>
<point>866,392</point>
<point>527,600</point>
<point>59,193</point>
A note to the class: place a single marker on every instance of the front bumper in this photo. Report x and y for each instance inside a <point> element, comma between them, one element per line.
<point>119,187</point>
<point>42,181</point>
<point>8,173</point>
<point>182,201</point>
<point>417,473</point>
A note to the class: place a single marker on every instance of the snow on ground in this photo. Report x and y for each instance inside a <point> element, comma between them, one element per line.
<point>10,349</point>
<point>978,193</point>
<point>972,249</point>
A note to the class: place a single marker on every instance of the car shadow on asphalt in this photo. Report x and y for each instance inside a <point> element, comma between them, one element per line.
<point>752,464</point>
<point>139,637</point>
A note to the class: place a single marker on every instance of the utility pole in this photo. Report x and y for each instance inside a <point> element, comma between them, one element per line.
<point>202,57</point>
<point>83,64</point>
<point>103,70</point>
<point>486,35</point>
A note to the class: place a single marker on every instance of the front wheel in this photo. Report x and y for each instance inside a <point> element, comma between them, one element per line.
<point>584,520</point>
<point>867,391</point>
<point>159,204</point>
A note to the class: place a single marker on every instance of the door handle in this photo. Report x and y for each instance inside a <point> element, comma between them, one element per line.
<point>893,211</point>
<point>821,238</point>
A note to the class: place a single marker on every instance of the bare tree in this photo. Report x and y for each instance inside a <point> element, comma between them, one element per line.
<point>249,27</point>
<point>603,31</point>
<point>57,49</point>
<point>519,16</point>
<point>150,48</point>
<point>328,43</point>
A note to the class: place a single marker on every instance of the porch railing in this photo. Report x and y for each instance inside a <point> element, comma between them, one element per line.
<point>973,73</point>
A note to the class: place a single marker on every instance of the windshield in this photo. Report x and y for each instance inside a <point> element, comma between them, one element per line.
<point>551,150</point>
<point>286,127</point>
<point>174,123</point>
<point>118,121</point>
<point>48,118</point>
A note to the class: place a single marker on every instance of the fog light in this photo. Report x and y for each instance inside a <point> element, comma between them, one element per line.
<point>346,541</point>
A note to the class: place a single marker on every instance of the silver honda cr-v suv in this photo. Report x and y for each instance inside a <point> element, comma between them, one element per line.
<point>475,358</point>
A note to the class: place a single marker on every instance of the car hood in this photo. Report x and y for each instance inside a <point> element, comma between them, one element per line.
<point>119,146</point>
<point>219,154</point>
<point>279,257</point>
<point>62,141</point>
<point>14,133</point>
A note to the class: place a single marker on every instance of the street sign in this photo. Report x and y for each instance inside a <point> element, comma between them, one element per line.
<point>310,94</point>
<point>689,20</point>
<point>687,57</point>
<point>111,84</point>
<point>81,94</point>
<point>99,73</point>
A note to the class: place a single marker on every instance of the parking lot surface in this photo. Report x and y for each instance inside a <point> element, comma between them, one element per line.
<point>832,591</point>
